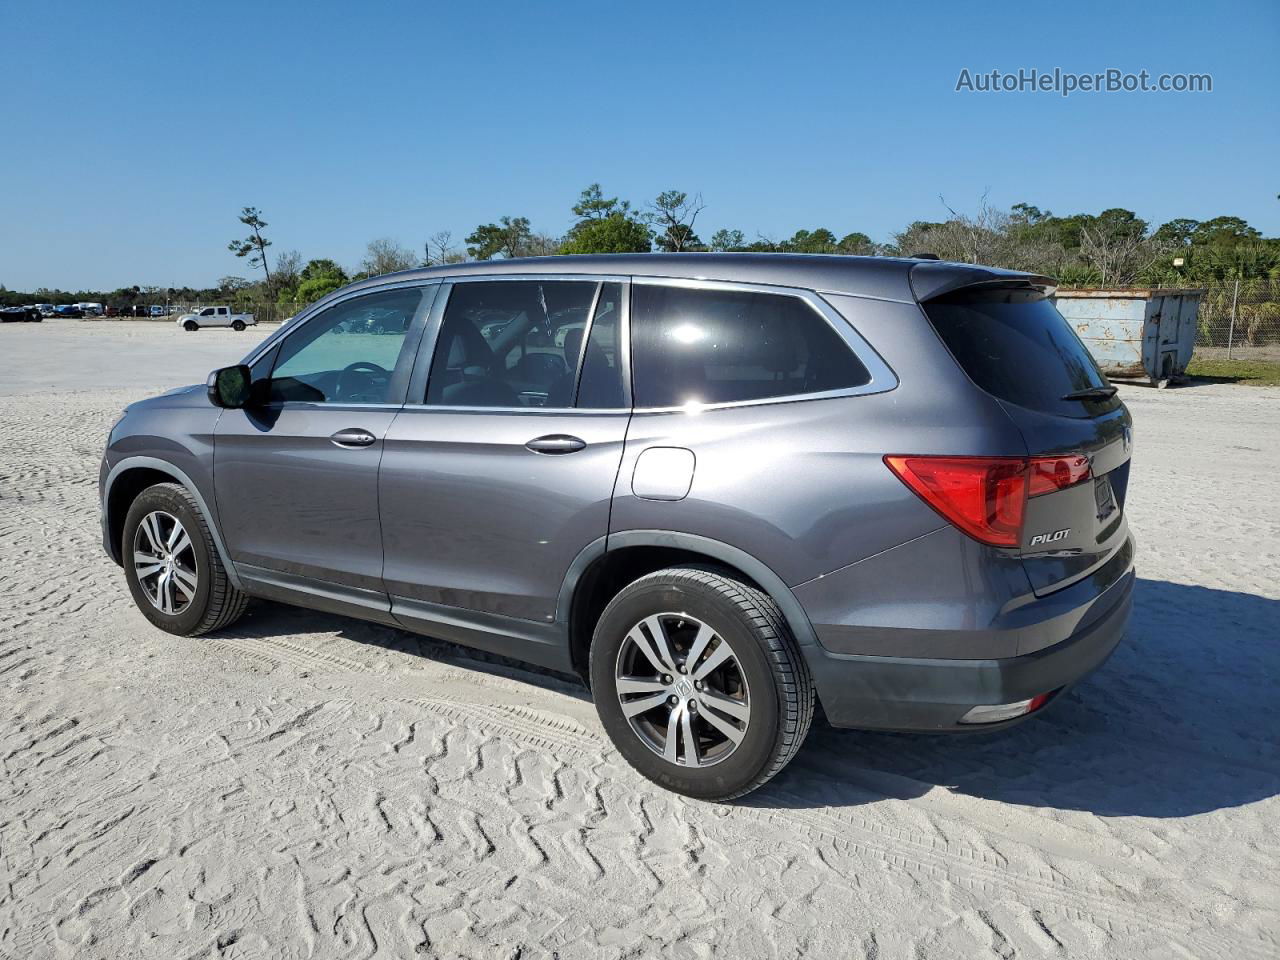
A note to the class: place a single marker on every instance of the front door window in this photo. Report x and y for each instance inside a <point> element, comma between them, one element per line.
<point>347,354</point>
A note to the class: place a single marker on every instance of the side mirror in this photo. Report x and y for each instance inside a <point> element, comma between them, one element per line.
<point>230,387</point>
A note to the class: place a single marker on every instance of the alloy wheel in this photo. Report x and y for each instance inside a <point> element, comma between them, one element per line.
<point>164,562</point>
<point>682,689</point>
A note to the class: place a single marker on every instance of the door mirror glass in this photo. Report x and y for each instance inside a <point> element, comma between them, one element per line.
<point>229,387</point>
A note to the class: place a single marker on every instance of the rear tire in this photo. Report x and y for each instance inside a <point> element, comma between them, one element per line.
<point>172,565</point>
<point>740,713</point>
<point>238,326</point>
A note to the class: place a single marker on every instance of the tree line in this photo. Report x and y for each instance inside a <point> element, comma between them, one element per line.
<point>1114,247</point>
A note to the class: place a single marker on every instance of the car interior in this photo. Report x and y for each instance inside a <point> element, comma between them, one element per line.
<point>511,344</point>
<point>347,357</point>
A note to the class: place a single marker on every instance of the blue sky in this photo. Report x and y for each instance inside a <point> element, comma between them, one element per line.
<point>134,132</point>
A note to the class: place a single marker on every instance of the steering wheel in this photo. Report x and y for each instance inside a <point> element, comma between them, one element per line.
<point>373,373</point>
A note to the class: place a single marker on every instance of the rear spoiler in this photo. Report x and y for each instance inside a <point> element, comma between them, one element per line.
<point>935,278</point>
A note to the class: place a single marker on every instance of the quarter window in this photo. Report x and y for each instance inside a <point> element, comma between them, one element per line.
<point>348,353</point>
<point>696,346</point>
<point>510,343</point>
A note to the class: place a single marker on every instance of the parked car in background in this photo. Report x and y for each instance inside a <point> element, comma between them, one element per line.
<point>68,310</point>
<point>215,317</point>
<point>91,309</point>
<point>46,309</point>
<point>896,484</point>
<point>157,310</point>
<point>20,315</point>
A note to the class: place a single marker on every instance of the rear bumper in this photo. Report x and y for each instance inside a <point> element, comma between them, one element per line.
<point>921,694</point>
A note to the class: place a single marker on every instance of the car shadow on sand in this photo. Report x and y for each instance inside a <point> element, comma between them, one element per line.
<point>1183,719</point>
<point>266,620</point>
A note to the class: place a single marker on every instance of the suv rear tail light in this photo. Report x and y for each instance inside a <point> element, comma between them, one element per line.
<point>1050,474</point>
<point>983,496</point>
<point>986,497</point>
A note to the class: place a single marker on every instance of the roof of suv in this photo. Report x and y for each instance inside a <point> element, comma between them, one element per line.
<point>890,278</point>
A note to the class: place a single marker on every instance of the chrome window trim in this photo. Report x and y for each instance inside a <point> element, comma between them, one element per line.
<point>883,379</point>
<point>427,345</point>
<point>527,411</point>
<point>313,405</point>
<point>536,277</point>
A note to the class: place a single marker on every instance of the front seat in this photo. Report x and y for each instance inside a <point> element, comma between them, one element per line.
<point>469,379</point>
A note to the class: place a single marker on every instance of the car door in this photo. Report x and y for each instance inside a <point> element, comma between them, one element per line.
<point>296,475</point>
<point>499,470</point>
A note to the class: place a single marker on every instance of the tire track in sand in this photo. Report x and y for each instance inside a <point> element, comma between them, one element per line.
<point>925,857</point>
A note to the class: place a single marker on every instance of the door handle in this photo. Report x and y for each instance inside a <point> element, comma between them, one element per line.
<point>353,437</point>
<point>556,443</point>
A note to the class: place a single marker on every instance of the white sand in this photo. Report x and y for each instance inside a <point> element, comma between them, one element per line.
<point>310,786</point>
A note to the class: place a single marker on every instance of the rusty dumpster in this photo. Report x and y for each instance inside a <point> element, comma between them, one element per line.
<point>1146,333</point>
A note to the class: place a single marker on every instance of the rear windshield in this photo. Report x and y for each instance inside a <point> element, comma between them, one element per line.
<point>1015,345</point>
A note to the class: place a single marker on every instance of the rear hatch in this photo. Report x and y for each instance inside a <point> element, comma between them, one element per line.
<point>1012,342</point>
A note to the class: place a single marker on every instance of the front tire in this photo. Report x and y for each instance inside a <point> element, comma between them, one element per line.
<point>172,566</point>
<point>191,326</point>
<point>699,683</point>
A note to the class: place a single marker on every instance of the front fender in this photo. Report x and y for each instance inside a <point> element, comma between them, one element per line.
<point>154,465</point>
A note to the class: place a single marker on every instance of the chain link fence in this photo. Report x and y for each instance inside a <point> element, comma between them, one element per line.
<point>1240,320</point>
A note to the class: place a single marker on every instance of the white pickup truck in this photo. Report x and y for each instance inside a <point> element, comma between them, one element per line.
<point>215,317</point>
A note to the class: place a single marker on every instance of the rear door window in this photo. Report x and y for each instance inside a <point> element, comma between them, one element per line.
<point>1014,344</point>
<point>705,346</point>
<point>510,343</point>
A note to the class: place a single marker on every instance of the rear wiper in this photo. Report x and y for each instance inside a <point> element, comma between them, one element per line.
<point>1091,393</point>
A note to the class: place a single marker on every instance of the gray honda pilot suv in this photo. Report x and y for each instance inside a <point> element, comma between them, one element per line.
<point>714,486</point>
